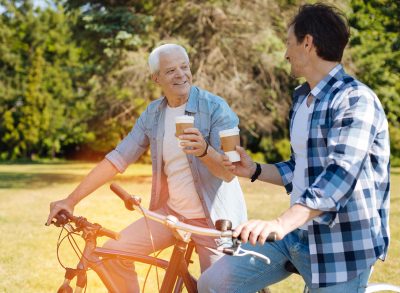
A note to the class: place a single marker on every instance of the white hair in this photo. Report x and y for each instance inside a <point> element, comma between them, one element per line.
<point>154,58</point>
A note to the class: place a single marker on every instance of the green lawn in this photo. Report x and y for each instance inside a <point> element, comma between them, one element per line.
<point>28,260</point>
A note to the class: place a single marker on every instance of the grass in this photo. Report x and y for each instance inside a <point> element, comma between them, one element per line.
<point>28,260</point>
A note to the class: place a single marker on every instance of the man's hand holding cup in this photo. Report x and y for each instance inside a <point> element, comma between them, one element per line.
<point>235,159</point>
<point>189,138</point>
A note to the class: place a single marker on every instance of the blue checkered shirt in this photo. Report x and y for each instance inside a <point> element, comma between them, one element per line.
<point>348,177</point>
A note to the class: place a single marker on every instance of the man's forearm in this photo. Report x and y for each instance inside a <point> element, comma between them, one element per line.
<point>297,216</point>
<point>213,161</point>
<point>99,175</point>
<point>269,173</point>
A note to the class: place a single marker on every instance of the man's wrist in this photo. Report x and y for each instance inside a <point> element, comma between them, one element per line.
<point>205,151</point>
<point>72,200</point>
<point>283,230</point>
<point>256,173</point>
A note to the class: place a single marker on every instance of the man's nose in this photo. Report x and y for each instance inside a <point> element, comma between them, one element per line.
<point>286,56</point>
<point>179,72</point>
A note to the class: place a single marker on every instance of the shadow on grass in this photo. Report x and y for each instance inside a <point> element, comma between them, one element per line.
<point>40,180</point>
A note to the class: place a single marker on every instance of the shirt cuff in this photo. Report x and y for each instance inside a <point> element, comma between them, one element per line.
<point>286,172</point>
<point>116,159</point>
<point>325,204</point>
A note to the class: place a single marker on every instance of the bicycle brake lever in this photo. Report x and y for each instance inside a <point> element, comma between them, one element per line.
<point>243,252</point>
<point>237,250</point>
<point>60,219</point>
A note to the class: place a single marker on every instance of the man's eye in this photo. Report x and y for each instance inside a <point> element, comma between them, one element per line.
<point>170,71</point>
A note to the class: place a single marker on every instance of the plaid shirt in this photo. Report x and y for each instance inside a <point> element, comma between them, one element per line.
<point>348,177</point>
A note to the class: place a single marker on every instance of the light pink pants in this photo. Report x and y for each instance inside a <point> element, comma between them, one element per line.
<point>136,238</point>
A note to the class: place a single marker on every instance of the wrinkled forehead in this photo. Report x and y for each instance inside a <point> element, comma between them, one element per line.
<point>172,58</point>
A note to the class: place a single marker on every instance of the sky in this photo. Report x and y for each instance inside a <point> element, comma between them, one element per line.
<point>36,3</point>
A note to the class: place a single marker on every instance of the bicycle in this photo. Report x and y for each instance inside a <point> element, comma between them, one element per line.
<point>371,287</point>
<point>176,269</point>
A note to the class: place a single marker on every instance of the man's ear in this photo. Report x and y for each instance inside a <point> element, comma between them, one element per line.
<point>154,77</point>
<point>308,42</point>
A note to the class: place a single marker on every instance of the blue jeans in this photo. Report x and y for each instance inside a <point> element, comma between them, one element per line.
<point>250,274</point>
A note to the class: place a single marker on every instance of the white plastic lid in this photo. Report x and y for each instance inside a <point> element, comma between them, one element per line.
<point>229,132</point>
<point>184,119</point>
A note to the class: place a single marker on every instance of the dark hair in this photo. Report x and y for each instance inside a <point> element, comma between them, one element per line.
<point>327,25</point>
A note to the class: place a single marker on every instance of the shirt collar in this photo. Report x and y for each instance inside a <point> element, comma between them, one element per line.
<point>191,105</point>
<point>323,87</point>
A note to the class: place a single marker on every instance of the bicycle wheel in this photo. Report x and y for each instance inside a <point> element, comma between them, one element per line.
<point>380,287</point>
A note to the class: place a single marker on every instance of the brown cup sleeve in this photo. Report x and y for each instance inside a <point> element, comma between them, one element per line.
<point>229,143</point>
<point>182,126</point>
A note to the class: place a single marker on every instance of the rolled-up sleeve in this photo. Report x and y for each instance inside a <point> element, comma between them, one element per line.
<point>131,147</point>
<point>222,118</point>
<point>286,170</point>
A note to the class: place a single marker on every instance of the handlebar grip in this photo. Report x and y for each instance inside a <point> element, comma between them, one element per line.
<point>270,238</point>
<point>109,233</point>
<point>122,193</point>
<point>129,200</point>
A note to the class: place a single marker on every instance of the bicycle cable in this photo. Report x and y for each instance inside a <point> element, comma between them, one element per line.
<point>148,271</point>
<point>68,235</point>
<point>152,244</point>
<point>58,247</point>
<point>74,245</point>
<point>59,242</point>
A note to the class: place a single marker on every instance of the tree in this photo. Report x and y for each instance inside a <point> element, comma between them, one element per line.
<point>375,50</point>
<point>42,107</point>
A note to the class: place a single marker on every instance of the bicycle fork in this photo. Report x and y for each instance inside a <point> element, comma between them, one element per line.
<point>178,267</point>
<point>87,260</point>
<point>81,280</point>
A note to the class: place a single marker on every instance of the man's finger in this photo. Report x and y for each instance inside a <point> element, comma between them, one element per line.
<point>262,237</point>
<point>51,216</point>
<point>246,230</point>
<point>227,163</point>
<point>238,230</point>
<point>255,232</point>
<point>239,149</point>
<point>192,130</point>
<point>242,152</point>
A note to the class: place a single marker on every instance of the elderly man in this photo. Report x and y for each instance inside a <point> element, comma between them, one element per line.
<point>189,182</point>
<point>337,177</point>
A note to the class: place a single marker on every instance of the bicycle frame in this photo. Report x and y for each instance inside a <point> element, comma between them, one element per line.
<point>176,269</point>
<point>93,257</point>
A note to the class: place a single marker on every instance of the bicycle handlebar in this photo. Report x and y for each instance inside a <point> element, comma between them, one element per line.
<point>225,234</point>
<point>63,217</point>
<point>133,203</point>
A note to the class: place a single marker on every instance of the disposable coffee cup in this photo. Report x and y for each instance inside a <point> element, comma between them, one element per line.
<point>229,140</point>
<point>181,123</point>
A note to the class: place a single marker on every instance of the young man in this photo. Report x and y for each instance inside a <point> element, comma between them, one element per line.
<point>337,176</point>
<point>189,182</point>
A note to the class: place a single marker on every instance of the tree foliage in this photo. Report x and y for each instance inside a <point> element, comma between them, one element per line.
<point>73,75</point>
<point>42,107</point>
<point>376,53</point>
